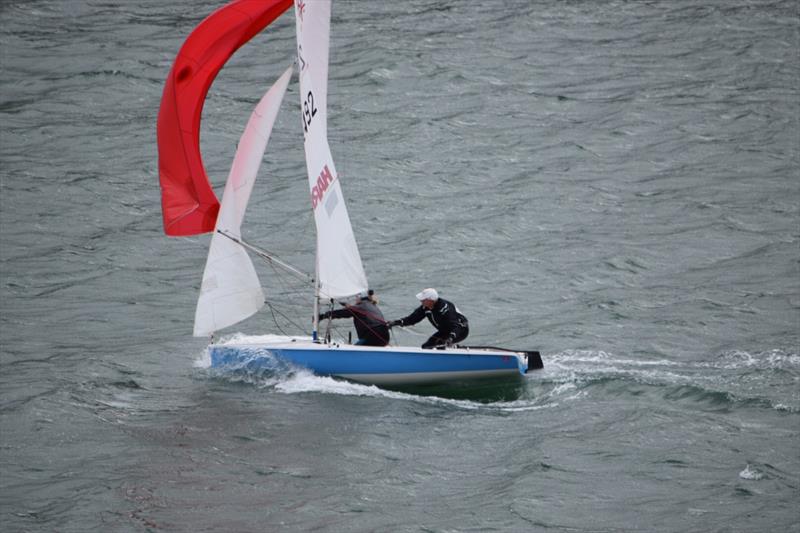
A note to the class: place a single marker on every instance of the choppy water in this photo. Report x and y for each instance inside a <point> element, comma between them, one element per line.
<point>613,183</point>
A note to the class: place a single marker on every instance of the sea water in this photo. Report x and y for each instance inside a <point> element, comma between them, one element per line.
<point>615,184</point>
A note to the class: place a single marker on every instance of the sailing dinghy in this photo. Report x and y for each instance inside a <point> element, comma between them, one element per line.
<point>231,291</point>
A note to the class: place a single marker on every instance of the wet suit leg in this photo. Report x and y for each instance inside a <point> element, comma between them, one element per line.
<point>440,339</point>
<point>434,341</point>
<point>461,334</point>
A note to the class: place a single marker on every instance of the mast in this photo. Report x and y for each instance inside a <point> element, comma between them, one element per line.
<point>315,318</point>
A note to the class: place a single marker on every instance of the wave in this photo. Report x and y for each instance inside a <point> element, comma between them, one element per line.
<point>291,380</point>
<point>736,379</point>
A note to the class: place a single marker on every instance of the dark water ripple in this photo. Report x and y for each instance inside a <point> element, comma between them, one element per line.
<point>612,183</point>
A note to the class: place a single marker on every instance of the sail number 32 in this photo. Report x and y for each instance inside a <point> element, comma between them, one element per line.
<point>309,110</point>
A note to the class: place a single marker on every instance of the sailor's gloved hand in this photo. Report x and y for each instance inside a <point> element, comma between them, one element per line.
<point>393,323</point>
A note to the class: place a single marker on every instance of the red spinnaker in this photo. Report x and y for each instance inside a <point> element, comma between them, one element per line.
<point>188,202</point>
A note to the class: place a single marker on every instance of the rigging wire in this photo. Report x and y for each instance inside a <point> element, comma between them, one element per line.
<point>273,311</point>
<point>290,294</point>
<point>274,262</point>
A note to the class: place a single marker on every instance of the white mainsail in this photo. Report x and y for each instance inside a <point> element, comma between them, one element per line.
<point>339,268</point>
<point>230,291</point>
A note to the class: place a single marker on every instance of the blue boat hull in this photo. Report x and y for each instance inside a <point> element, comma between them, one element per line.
<point>388,366</point>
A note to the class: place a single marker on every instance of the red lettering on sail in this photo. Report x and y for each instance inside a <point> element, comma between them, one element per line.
<point>323,182</point>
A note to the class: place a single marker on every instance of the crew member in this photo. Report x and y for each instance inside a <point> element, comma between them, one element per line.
<point>370,325</point>
<point>451,326</point>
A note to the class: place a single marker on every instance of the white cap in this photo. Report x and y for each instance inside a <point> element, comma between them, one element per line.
<point>428,294</point>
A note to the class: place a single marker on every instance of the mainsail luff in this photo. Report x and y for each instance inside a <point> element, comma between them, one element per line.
<point>231,291</point>
<point>339,267</point>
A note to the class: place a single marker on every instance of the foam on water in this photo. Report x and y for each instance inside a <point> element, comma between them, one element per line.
<point>751,473</point>
<point>738,377</point>
<point>203,360</point>
<point>303,381</point>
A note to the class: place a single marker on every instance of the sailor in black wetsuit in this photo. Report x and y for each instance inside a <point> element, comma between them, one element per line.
<point>451,326</point>
<point>370,325</point>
